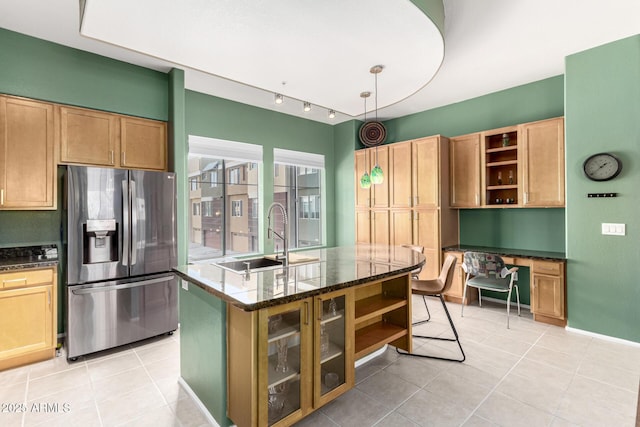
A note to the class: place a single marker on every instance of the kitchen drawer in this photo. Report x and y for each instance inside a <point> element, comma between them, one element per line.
<point>547,267</point>
<point>22,278</point>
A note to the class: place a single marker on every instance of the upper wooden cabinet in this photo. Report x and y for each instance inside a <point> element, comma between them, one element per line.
<point>426,179</point>
<point>515,166</point>
<point>542,171</point>
<point>27,160</point>
<point>91,137</point>
<point>88,137</point>
<point>464,157</point>
<point>400,194</point>
<point>143,144</point>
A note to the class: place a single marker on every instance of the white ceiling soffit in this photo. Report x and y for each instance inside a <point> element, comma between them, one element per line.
<point>309,50</point>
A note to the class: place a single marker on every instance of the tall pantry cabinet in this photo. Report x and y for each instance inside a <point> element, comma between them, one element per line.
<point>415,209</point>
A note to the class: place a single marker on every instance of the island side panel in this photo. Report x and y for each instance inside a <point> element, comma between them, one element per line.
<point>242,374</point>
<point>203,363</point>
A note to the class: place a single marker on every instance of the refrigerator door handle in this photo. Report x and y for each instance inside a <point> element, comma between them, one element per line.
<point>125,221</point>
<point>90,290</point>
<point>134,223</point>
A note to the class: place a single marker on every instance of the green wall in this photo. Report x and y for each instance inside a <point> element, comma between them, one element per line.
<point>603,114</point>
<point>47,71</point>
<point>203,349</point>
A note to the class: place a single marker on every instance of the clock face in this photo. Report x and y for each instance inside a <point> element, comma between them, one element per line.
<point>602,167</point>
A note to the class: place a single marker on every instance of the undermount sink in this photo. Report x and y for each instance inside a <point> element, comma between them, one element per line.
<point>253,264</point>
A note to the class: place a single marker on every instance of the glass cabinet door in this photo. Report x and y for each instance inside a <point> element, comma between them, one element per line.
<point>334,369</point>
<point>283,381</point>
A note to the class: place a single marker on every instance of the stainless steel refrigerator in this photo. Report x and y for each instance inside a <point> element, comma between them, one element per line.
<point>121,246</point>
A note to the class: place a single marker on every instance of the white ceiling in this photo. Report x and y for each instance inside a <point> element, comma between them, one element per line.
<point>323,50</point>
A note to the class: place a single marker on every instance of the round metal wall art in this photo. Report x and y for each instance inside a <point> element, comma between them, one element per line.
<point>372,133</point>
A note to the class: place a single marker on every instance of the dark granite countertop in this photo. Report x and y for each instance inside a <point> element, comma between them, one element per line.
<point>19,258</point>
<point>518,253</point>
<point>335,268</point>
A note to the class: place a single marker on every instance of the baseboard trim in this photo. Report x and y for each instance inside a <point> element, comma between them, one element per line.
<point>370,356</point>
<point>198,402</point>
<point>603,337</point>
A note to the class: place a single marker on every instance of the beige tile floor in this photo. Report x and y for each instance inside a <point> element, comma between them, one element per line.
<point>532,374</point>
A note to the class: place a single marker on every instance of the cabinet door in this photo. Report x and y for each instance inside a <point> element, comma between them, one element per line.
<point>547,297</point>
<point>380,192</point>
<point>400,175</point>
<point>143,144</point>
<point>426,233</point>
<point>380,227</point>
<point>88,137</point>
<point>401,227</point>
<point>464,156</point>
<point>361,165</point>
<point>27,164</point>
<point>284,356</point>
<point>543,163</point>
<point>363,226</point>
<point>26,324</point>
<point>426,172</point>
<point>334,371</point>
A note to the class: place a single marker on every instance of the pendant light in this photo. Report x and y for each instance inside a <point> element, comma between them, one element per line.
<point>373,133</point>
<point>365,180</point>
<point>377,175</point>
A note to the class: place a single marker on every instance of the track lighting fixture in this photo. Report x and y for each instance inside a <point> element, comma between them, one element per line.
<point>307,106</point>
<point>279,98</point>
<point>332,114</point>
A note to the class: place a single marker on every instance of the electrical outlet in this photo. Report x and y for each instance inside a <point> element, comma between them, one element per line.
<point>185,284</point>
<point>613,229</point>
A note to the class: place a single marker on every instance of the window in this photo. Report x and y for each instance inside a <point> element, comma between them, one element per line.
<point>196,209</point>
<point>227,175</point>
<point>234,175</point>
<point>298,179</point>
<point>194,183</point>
<point>236,208</point>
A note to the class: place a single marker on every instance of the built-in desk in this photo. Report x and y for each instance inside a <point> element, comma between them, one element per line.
<point>547,275</point>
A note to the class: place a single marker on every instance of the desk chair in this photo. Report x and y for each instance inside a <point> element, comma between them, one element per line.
<point>415,275</point>
<point>488,271</point>
<point>436,288</point>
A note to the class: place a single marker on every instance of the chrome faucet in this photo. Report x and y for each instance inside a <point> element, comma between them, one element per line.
<point>285,252</point>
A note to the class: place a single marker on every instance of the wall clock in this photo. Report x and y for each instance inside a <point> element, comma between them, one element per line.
<point>602,167</point>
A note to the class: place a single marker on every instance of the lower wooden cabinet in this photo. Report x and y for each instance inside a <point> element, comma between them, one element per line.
<point>548,302</point>
<point>286,361</point>
<point>456,291</point>
<point>28,303</point>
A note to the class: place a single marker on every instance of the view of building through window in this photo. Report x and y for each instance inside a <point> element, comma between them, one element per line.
<point>298,189</point>
<point>224,215</point>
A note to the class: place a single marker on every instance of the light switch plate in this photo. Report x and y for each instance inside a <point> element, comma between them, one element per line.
<point>613,229</point>
<point>185,284</point>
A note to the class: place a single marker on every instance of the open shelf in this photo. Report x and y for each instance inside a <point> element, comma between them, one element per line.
<point>374,336</point>
<point>376,305</point>
<point>502,163</point>
<point>501,149</point>
<point>502,187</point>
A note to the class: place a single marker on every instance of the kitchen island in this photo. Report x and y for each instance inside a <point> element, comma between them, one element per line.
<point>269,346</point>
